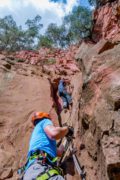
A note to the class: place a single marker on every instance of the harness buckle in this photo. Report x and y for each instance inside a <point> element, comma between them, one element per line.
<point>44,157</point>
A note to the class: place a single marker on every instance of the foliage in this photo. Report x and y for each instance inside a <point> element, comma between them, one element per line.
<point>79,24</point>
<point>33,30</point>
<point>44,41</point>
<point>13,38</point>
<point>20,60</point>
<point>8,33</point>
<point>50,61</point>
<point>95,3</point>
<point>57,34</point>
<point>75,26</point>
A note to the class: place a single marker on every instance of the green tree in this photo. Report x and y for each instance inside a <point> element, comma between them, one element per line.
<point>92,2</point>
<point>76,26</point>
<point>57,34</point>
<point>14,38</point>
<point>78,23</point>
<point>98,3</point>
<point>8,33</point>
<point>33,31</point>
<point>44,41</point>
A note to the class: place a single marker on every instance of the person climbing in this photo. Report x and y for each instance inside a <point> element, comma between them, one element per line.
<point>42,154</point>
<point>62,91</point>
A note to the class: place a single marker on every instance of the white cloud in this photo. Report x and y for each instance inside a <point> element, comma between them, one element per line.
<point>70,4</point>
<point>92,8</point>
<point>46,5</point>
<point>41,5</point>
<point>60,8</point>
<point>21,10</point>
<point>6,3</point>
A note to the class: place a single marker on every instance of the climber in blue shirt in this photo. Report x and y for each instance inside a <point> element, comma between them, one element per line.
<point>43,152</point>
<point>62,91</point>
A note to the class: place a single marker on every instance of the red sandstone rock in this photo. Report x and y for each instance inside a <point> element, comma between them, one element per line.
<point>2,57</point>
<point>100,105</point>
<point>94,114</point>
<point>106,22</point>
<point>48,57</point>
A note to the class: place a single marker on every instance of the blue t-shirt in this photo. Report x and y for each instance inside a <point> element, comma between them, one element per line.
<point>61,86</point>
<point>39,139</point>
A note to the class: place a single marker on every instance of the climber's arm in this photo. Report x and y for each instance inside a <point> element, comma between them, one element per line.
<point>56,132</point>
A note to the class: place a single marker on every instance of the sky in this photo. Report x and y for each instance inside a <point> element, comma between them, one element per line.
<point>51,11</point>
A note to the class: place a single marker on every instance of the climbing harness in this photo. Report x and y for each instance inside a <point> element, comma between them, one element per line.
<point>50,173</point>
<point>43,156</point>
<point>43,159</point>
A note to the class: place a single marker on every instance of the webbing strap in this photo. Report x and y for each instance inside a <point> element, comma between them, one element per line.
<point>42,156</point>
<point>35,156</point>
<point>55,159</point>
<point>48,174</point>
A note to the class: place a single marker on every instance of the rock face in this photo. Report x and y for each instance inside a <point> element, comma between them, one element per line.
<point>95,114</point>
<point>107,21</point>
<point>25,88</point>
<point>100,108</point>
<point>22,91</point>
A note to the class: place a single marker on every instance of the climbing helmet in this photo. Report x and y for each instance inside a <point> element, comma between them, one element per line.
<point>39,115</point>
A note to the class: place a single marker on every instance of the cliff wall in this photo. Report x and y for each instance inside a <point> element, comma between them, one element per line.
<point>106,21</point>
